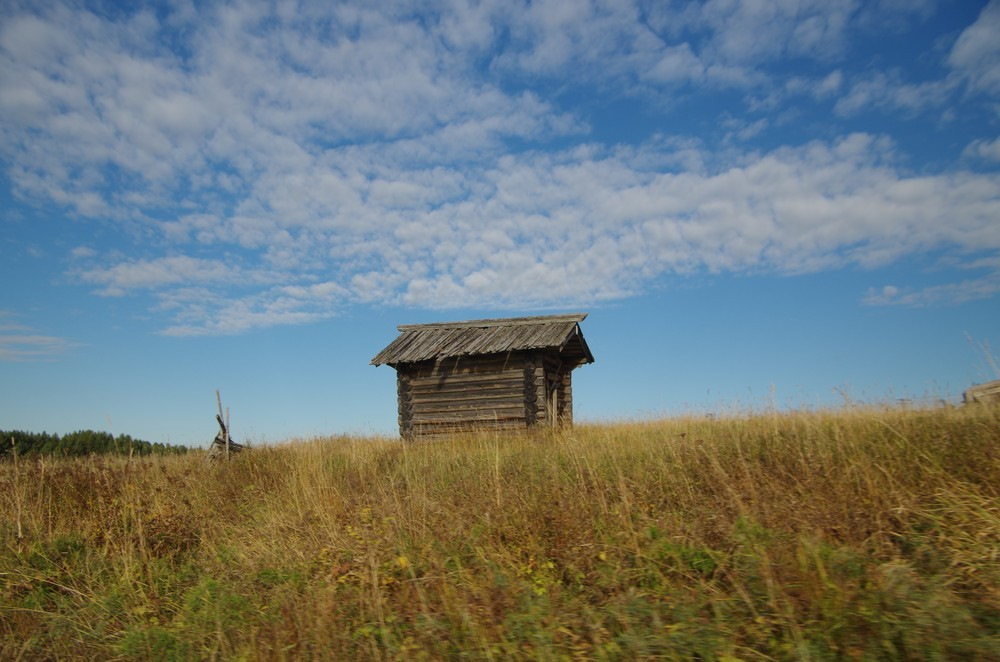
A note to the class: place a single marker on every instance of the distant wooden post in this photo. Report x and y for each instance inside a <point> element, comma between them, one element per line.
<point>17,489</point>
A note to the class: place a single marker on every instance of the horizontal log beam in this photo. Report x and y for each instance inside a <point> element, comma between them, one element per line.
<point>465,395</point>
<point>469,376</point>
<point>463,417</point>
<point>508,410</point>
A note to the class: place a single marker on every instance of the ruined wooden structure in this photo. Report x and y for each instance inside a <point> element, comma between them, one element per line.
<point>511,373</point>
<point>223,445</point>
<point>987,393</point>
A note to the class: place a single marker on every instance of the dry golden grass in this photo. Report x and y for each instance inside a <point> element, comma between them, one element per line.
<point>852,534</point>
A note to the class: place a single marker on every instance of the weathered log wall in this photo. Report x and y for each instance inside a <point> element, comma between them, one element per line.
<point>454,394</point>
<point>565,411</point>
<point>510,391</point>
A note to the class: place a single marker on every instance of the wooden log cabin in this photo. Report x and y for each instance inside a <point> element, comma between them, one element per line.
<point>511,373</point>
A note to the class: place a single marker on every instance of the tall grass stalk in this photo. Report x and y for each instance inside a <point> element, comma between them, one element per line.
<point>850,534</point>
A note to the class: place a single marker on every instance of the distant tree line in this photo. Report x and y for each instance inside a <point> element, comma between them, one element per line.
<point>81,443</point>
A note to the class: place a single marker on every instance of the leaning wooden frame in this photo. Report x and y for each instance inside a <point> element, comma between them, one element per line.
<point>223,443</point>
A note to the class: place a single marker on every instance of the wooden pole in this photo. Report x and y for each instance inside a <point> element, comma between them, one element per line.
<point>17,489</point>
<point>223,422</point>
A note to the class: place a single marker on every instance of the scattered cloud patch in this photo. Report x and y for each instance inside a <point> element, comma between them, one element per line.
<point>163,272</point>
<point>272,166</point>
<point>204,311</point>
<point>976,54</point>
<point>553,229</point>
<point>19,342</point>
<point>944,294</point>
<point>83,252</point>
<point>890,92</point>
<point>988,150</point>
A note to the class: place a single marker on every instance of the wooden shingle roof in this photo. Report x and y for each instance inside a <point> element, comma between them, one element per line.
<point>422,342</point>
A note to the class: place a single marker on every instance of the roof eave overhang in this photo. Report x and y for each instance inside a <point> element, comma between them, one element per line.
<point>393,353</point>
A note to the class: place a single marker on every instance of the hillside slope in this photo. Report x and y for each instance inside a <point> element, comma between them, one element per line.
<point>857,534</point>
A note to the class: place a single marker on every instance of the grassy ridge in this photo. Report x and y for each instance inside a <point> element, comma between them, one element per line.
<point>859,534</point>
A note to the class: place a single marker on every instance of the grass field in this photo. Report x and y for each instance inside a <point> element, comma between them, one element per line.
<point>860,534</point>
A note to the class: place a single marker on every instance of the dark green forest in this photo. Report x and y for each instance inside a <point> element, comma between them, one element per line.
<point>81,443</point>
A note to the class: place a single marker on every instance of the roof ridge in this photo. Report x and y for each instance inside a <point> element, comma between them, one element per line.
<point>498,321</point>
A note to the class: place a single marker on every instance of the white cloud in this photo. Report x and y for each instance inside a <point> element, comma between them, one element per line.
<point>676,64</point>
<point>984,149</point>
<point>83,252</point>
<point>19,342</point>
<point>830,85</point>
<point>119,279</point>
<point>974,60</point>
<point>985,286</point>
<point>202,311</point>
<point>976,53</point>
<point>888,91</point>
<point>30,346</point>
<point>944,294</point>
<point>762,31</point>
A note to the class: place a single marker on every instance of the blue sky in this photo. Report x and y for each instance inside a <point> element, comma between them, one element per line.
<point>786,203</point>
